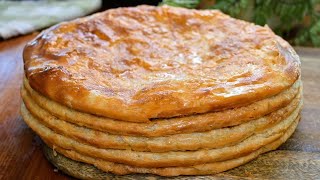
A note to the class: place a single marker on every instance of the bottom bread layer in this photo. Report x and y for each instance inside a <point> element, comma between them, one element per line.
<point>202,169</point>
<point>167,159</point>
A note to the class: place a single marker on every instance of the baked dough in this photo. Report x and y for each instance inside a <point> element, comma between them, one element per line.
<point>162,159</point>
<point>202,169</point>
<point>216,138</point>
<point>150,62</point>
<point>161,90</point>
<point>165,127</point>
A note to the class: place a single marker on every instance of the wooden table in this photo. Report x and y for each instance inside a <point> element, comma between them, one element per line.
<point>21,155</point>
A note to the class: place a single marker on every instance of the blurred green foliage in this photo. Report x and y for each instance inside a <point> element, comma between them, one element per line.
<point>297,21</point>
<point>181,3</point>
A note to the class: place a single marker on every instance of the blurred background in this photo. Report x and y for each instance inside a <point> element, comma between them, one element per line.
<point>297,21</point>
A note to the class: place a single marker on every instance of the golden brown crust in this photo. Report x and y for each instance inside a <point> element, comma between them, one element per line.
<point>209,168</point>
<point>134,64</point>
<point>165,127</point>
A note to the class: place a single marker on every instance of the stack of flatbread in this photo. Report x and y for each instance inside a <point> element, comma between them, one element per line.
<point>161,90</point>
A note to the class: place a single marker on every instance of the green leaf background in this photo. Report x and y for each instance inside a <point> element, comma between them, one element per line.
<point>297,21</point>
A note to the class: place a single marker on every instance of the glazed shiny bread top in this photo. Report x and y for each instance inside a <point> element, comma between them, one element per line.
<point>139,63</point>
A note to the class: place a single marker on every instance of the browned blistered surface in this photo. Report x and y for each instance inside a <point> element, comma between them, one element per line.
<point>134,64</point>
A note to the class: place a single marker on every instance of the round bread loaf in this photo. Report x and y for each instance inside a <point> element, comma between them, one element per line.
<point>136,64</point>
<point>161,90</point>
